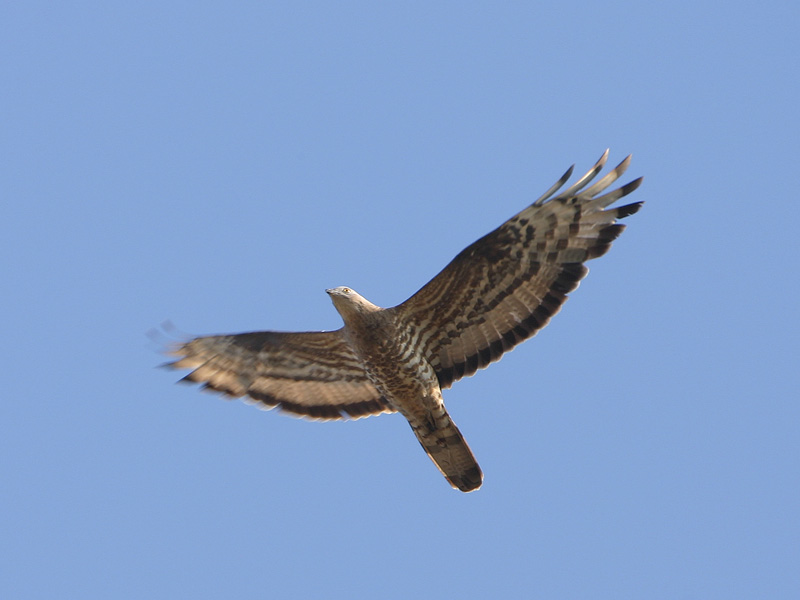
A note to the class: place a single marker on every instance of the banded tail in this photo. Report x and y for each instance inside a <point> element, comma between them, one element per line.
<point>448,450</point>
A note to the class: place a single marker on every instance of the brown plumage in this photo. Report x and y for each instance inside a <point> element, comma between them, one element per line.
<point>496,293</point>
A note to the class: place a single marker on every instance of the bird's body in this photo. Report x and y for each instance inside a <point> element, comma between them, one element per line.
<point>496,293</point>
<point>407,382</point>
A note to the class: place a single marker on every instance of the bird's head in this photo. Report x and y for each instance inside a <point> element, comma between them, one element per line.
<point>349,302</point>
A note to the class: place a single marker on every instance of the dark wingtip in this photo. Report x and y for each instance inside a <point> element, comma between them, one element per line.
<point>628,210</point>
<point>631,186</point>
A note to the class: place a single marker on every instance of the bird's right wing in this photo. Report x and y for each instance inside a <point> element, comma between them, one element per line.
<point>310,374</point>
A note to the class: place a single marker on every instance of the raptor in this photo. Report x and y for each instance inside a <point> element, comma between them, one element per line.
<point>496,293</point>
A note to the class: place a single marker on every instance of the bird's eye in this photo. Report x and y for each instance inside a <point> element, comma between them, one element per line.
<point>346,290</point>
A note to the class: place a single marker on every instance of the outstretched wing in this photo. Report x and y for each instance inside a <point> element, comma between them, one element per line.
<point>506,286</point>
<point>313,374</point>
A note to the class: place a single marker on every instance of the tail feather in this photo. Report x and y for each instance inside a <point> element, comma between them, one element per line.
<point>450,453</point>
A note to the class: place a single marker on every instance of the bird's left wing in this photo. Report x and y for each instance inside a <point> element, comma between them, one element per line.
<point>504,288</point>
<point>309,374</point>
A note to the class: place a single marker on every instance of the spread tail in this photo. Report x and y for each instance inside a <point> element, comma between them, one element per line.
<point>447,448</point>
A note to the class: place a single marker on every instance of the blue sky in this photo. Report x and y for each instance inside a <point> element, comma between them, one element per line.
<point>220,165</point>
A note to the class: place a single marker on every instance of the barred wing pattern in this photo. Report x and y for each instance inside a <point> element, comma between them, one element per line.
<point>505,287</point>
<point>311,374</point>
<point>496,293</point>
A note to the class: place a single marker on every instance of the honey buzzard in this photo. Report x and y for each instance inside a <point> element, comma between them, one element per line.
<point>497,292</point>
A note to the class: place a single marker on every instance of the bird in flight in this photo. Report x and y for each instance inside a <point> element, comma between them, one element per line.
<point>498,292</point>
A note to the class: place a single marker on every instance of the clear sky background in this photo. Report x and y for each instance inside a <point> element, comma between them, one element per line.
<point>219,165</point>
